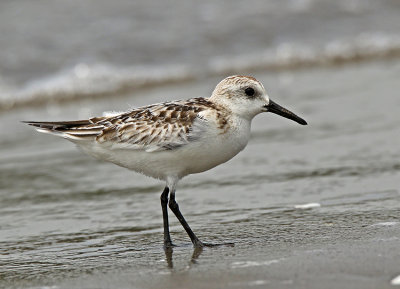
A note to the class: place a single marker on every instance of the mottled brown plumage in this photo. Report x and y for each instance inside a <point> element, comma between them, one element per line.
<point>165,125</point>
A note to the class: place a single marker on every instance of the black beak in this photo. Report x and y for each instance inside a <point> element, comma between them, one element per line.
<point>276,108</point>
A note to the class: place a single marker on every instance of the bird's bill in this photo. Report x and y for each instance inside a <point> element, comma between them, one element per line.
<point>277,109</point>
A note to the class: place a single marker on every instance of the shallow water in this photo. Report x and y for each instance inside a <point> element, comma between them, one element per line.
<point>69,221</point>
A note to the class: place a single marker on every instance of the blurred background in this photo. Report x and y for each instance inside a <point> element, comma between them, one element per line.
<point>307,207</point>
<point>54,50</point>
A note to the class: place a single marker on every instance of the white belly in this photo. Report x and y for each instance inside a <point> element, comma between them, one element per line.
<point>198,156</point>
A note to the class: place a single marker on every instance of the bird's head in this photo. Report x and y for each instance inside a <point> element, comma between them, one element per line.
<point>247,97</point>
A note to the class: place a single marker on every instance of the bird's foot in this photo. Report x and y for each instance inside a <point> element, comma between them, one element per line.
<point>200,244</point>
<point>169,245</point>
<point>227,244</point>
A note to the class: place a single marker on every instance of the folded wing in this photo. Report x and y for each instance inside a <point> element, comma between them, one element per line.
<point>164,126</point>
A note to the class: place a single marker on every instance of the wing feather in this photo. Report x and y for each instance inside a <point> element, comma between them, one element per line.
<point>166,126</point>
<point>158,127</point>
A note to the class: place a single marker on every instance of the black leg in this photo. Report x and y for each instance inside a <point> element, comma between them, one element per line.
<point>196,242</point>
<point>175,209</point>
<point>164,204</point>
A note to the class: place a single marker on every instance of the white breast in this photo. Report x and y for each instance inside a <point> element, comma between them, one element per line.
<point>216,148</point>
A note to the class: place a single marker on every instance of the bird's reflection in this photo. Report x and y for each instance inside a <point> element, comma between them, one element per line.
<point>196,254</point>
<point>168,256</point>
<point>193,260</point>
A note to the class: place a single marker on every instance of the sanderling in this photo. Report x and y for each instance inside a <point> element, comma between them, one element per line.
<point>171,140</point>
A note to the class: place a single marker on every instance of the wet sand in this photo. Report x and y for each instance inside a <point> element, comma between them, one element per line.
<point>367,259</point>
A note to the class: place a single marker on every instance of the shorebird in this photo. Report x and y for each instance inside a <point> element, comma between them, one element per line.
<point>171,140</point>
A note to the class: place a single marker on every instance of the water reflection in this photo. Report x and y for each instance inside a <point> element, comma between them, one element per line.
<point>168,256</point>
<point>193,260</point>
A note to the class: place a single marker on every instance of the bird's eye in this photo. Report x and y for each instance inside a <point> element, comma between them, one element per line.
<point>249,91</point>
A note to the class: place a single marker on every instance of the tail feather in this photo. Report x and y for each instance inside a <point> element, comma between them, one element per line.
<point>73,130</point>
<point>57,124</point>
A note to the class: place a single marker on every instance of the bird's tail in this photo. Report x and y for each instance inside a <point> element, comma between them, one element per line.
<point>73,130</point>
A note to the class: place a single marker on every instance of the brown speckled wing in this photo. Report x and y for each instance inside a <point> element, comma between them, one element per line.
<point>163,126</point>
<point>156,127</point>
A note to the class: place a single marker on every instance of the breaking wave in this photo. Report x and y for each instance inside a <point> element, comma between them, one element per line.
<point>89,81</point>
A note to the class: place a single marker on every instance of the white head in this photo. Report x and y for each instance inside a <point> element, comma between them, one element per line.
<point>246,96</point>
<point>243,95</point>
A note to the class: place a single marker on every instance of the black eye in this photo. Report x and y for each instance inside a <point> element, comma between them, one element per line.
<point>249,91</point>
